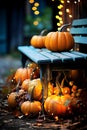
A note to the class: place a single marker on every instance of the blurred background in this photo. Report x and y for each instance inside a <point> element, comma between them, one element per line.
<point>21,19</point>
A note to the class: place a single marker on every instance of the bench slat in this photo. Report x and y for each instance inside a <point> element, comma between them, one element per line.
<point>55,56</point>
<point>80,39</point>
<point>73,56</point>
<point>33,55</point>
<point>79,22</point>
<point>52,57</point>
<point>80,54</point>
<point>80,31</point>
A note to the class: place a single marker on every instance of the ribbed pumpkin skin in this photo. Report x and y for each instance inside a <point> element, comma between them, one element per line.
<point>59,41</point>
<point>56,105</point>
<point>12,99</point>
<point>25,107</point>
<point>38,41</point>
<point>22,74</point>
<point>28,107</point>
<point>35,89</point>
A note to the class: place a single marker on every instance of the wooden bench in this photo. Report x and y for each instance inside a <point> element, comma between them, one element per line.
<point>51,61</point>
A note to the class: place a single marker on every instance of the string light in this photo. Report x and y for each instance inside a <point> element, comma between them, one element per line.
<point>35,23</point>
<point>36,4</point>
<point>36,12</point>
<point>60,15</point>
<point>31,1</point>
<point>67,10</point>
<point>75,2</point>
<point>60,12</point>
<point>68,1</point>
<point>34,8</point>
<point>70,16</point>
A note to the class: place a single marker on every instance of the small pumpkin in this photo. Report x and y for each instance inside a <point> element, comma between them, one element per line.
<point>25,107</point>
<point>12,100</point>
<point>35,89</point>
<point>28,107</point>
<point>22,74</point>
<point>38,41</point>
<point>59,41</point>
<point>25,84</point>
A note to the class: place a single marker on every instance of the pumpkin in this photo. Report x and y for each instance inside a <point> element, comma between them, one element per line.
<point>57,105</point>
<point>76,74</point>
<point>25,84</point>
<point>22,74</point>
<point>59,41</point>
<point>35,89</point>
<point>35,107</point>
<point>28,107</point>
<point>38,41</point>
<point>25,107</point>
<point>12,99</point>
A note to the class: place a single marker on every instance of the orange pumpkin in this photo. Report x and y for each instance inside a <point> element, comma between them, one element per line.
<point>59,41</point>
<point>25,107</point>
<point>28,107</point>
<point>12,100</point>
<point>35,107</point>
<point>76,74</point>
<point>57,105</point>
<point>38,41</point>
<point>25,84</point>
<point>35,89</point>
<point>22,74</point>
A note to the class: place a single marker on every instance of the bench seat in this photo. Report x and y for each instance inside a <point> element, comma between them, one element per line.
<point>45,56</point>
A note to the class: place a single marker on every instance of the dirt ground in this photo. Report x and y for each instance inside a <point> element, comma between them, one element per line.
<point>8,64</point>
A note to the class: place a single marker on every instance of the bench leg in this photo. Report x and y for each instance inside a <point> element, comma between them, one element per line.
<point>45,76</point>
<point>23,60</point>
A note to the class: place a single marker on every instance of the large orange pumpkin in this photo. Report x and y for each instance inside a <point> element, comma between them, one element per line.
<point>57,105</point>
<point>59,41</point>
<point>38,41</point>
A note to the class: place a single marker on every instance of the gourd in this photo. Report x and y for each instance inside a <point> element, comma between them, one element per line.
<point>59,41</point>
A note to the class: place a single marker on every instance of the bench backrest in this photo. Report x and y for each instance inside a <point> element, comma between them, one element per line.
<point>79,32</point>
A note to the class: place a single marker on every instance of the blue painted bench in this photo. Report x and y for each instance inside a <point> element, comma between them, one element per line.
<point>51,61</point>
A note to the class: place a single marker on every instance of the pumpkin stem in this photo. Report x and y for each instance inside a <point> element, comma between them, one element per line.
<point>63,26</point>
<point>31,95</point>
<point>43,32</point>
<point>17,86</point>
